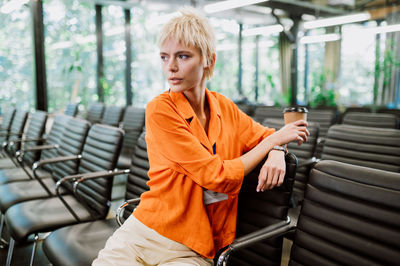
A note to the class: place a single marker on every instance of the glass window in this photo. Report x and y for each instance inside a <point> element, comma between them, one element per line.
<point>147,76</point>
<point>114,55</point>
<point>225,76</point>
<point>310,81</point>
<point>70,44</point>
<point>16,59</point>
<point>268,76</point>
<point>357,66</point>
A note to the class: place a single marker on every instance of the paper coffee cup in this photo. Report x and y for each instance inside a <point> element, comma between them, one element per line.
<point>292,114</point>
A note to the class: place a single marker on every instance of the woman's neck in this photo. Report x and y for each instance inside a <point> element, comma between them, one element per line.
<point>197,99</point>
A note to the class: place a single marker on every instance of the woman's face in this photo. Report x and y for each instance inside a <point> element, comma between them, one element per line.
<point>182,66</point>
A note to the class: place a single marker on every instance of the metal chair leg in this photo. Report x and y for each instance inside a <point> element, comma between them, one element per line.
<point>3,243</point>
<point>34,249</point>
<point>10,251</point>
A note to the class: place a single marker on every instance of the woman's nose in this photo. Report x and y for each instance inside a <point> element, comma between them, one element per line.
<point>172,65</point>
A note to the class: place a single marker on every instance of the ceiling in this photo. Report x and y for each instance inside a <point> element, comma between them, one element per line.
<point>267,12</point>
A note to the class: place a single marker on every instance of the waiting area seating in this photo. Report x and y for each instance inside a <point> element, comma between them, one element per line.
<point>71,198</point>
<point>350,216</point>
<point>380,120</point>
<point>79,244</point>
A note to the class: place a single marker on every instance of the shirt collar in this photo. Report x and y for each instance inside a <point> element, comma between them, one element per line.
<point>186,109</point>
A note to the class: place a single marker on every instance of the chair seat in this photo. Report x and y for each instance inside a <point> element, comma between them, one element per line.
<point>6,163</point>
<point>43,215</point>
<point>17,192</point>
<point>18,174</point>
<point>78,244</point>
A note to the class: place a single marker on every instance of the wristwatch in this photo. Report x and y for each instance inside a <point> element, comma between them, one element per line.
<point>279,148</point>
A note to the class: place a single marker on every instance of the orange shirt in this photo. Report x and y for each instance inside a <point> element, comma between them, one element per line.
<point>184,161</point>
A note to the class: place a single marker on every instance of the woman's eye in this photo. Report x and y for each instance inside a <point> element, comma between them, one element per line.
<point>182,56</point>
<point>163,58</point>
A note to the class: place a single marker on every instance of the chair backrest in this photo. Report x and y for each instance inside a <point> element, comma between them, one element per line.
<point>7,119</point>
<point>112,115</point>
<point>35,130</point>
<point>6,124</point>
<point>137,179</point>
<point>71,109</point>
<point>379,120</point>
<point>303,152</point>
<point>350,216</point>
<point>100,152</point>
<point>246,108</point>
<point>54,137</point>
<point>366,146</point>
<point>257,210</point>
<point>71,143</point>
<point>17,126</point>
<point>132,124</point>
<point>324,117</point>
<point>263,112</point>
<point>95,112</point>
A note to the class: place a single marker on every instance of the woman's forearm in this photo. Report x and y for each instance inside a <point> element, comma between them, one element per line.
<point>253,157</point>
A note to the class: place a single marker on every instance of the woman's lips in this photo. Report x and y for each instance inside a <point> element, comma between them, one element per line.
<point>175,81</point>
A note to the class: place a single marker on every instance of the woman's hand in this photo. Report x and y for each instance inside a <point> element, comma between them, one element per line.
<point>295,131</point>
<point>272,172</point>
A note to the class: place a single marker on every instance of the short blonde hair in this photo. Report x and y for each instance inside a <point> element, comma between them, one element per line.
<point>192,28</point>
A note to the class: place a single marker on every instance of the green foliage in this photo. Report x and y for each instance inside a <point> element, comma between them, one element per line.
<point>282,99</point>
<point>319,95</point>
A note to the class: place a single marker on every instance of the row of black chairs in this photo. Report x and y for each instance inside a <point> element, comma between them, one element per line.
<point>72,147</point>
<point>342,207</point>
<point>260,213</point>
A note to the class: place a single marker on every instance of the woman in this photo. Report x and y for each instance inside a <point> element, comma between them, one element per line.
<point>200,147</point>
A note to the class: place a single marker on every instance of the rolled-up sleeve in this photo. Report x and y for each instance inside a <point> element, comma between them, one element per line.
<point>184,153</point>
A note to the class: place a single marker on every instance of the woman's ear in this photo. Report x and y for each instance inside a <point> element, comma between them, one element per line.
<point>211,64</point>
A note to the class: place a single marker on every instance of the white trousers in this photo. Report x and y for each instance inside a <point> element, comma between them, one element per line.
<point>136,244</point>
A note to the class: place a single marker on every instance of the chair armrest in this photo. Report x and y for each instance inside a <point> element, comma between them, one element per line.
<point>80,178</point>
<point>55,160</point>
<point>20,154</point>
<point>309,162</point>
<point>41,147</point>
<point>38,164</point>
<point>83,177</point>
<point>123,206</point>
<point>25,140</point>
<point>274,230</point>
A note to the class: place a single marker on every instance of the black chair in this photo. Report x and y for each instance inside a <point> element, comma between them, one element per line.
<point>88,198</point>
<point>350,216</point>
<point>263,112</point>
<point>95,112</point>
<point>16,130</point>
<point>112,115</point>
<point>385,110</point>
<point>303,153</point>
<point>32,137</point>
<point>379,120</point>
<point>71,109</point>
<point>325,117</point>
<point>257,211</point>
<point>132,124</point>
<point>18,188</point>
<point>79,244</point>
<point>365,146</point>
<point>48,150</point>
<point>5,126</point>
<point>246,108</point>
<point>70,147</point>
